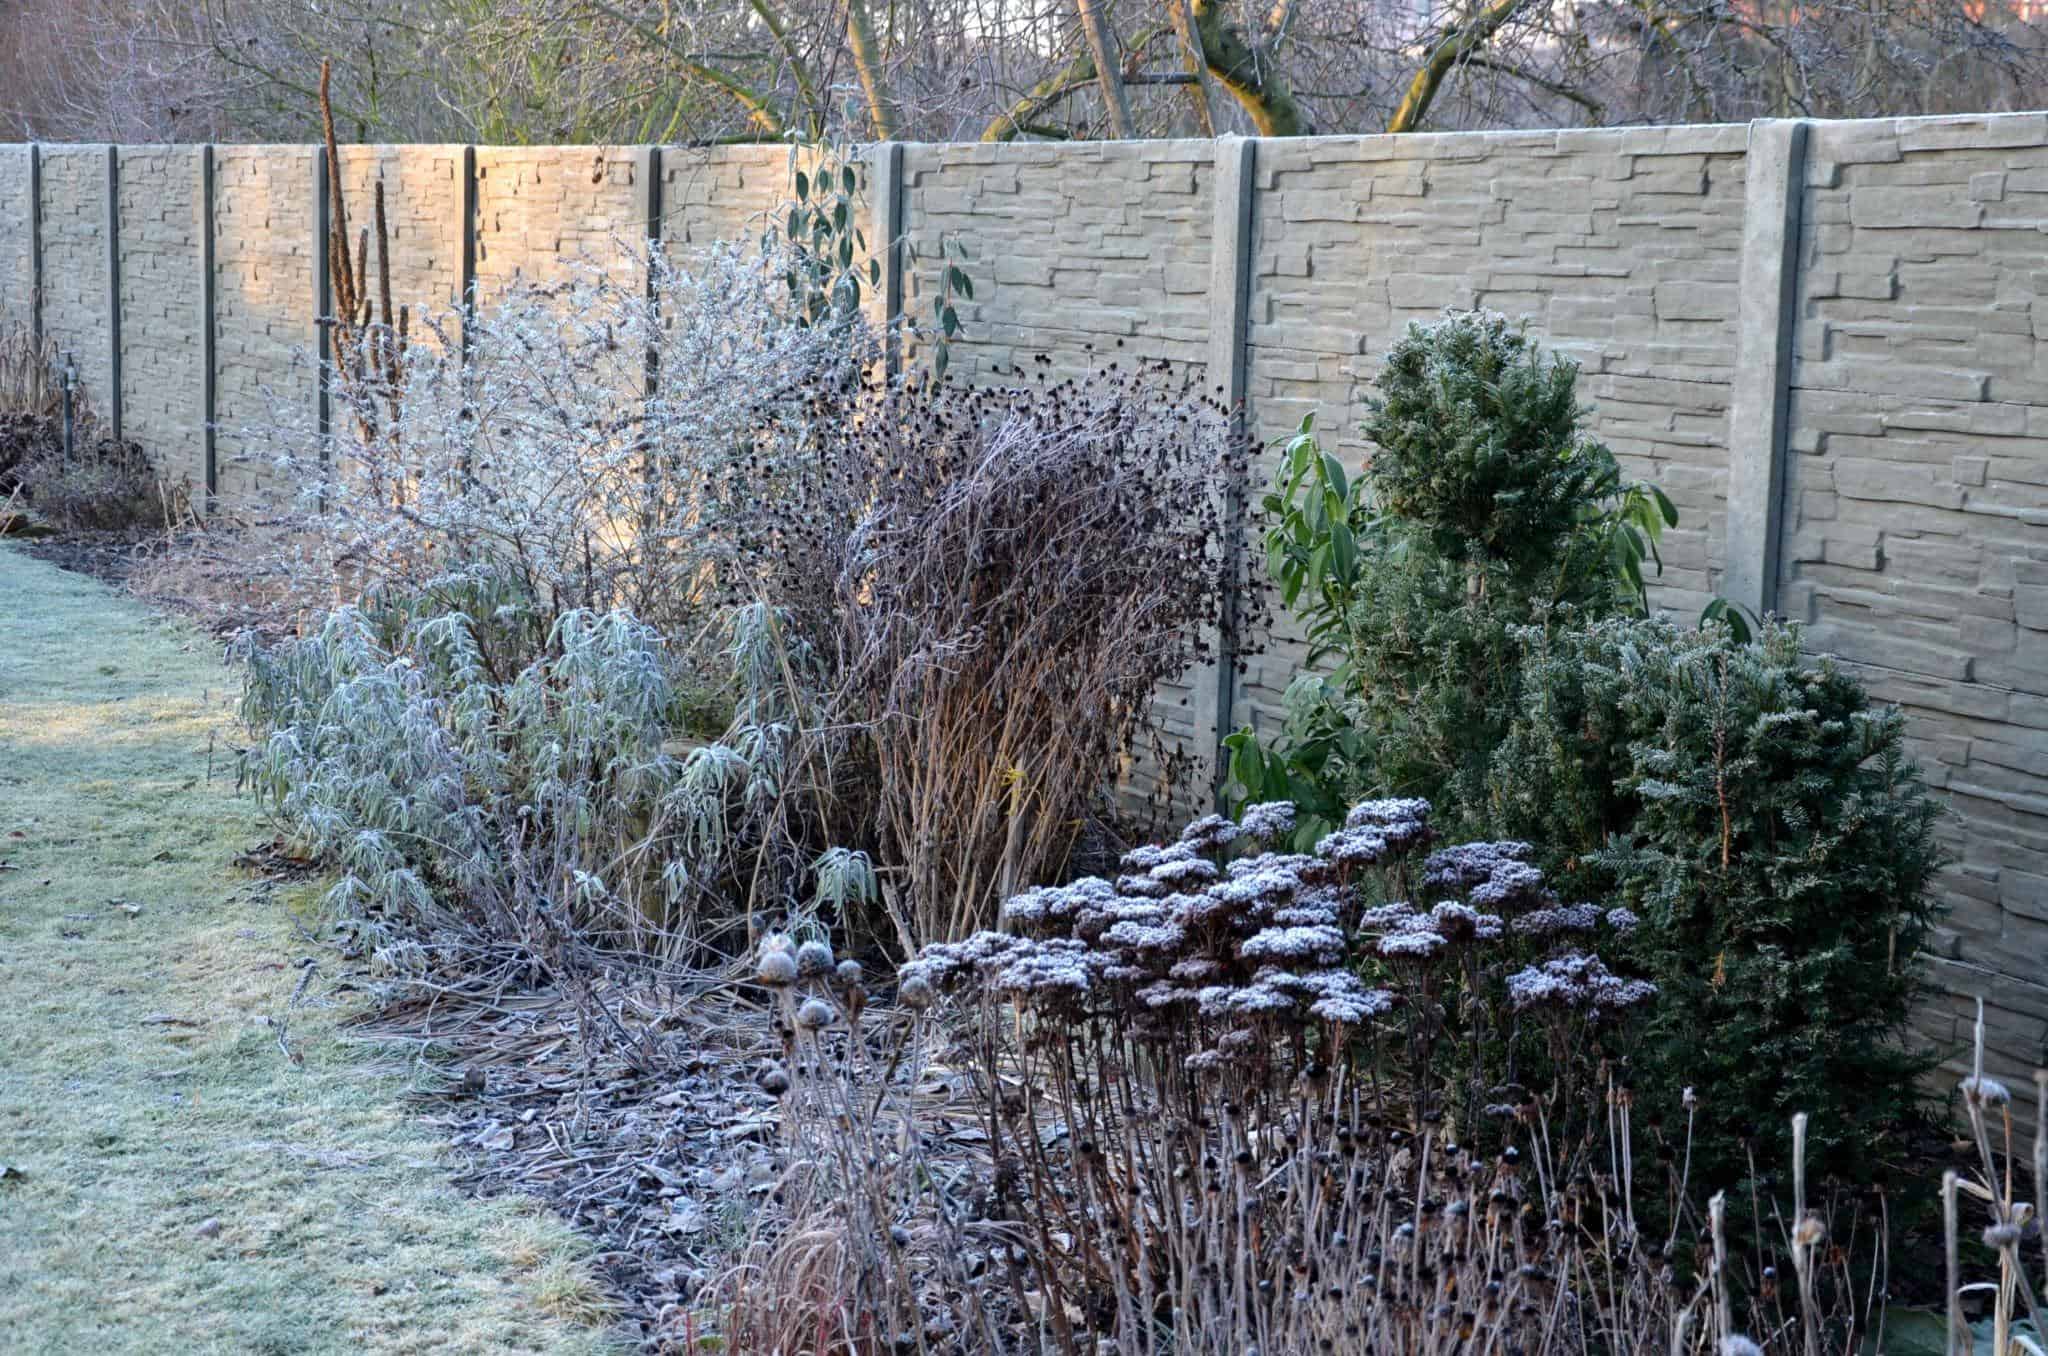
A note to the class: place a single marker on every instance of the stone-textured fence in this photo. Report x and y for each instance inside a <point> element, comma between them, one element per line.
<point>1824,340</point>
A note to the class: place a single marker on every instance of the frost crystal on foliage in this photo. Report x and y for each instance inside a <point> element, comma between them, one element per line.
<point>1059,965</point>
<point>1056,903</point>
<point>1209,833</point>
<point>1146,936</point>
<point>1387,812</point>
<point>1164,994</point>
<point>1142,885</point>
<point>943,961</point>
<point>1576,980</point>
<point>1295,864</point>
<point>1149,855</point>
<point>1195,969</point>
<point>1389,917</point>
<point>1268,821</point>
<point>1462,923</point>
<point>1513,885</point>
<point>1206,1061</point>
<point>1271,886</point>
<point>1305,916</point>
<point>1185,871</point>
<point>1353,847</point>
<point>1317,943</point>
<point>1469,864</point>
<point>1558,918</point>
<point>1258,1000</point>
<point>1414,944</point>
<point>1622,921</point>
<point>1345,998</point>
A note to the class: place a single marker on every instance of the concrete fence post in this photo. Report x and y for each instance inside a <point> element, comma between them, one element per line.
<point>1214,698</point>
<point>466,300</point>
<point>1760,394</point>
<point>210,383</point>
<point>323,299</point>
<point>113,233</point>
<point>647,173</point>
<point>35,241</point>
<point>886,191</point>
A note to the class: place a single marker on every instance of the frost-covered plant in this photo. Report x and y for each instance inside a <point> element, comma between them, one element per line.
<point>991,584</point>
<point>1255,1056</point>
<point>607,441</point>
<point>481,772</point>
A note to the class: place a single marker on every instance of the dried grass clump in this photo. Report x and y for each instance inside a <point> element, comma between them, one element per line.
<point>102,484</point>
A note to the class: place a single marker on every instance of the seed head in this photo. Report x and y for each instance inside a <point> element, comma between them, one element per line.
<point>1985,1091</point>
<point>813,958</point>
<point>1737,1345</point>
<point>915,992</point>
<point>815,1013</point>
<point>849,973</point>
<point>773,1080</point>
<point>776,968</point>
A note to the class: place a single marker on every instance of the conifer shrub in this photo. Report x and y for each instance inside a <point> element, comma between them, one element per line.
<point>1474,605</point>
<point>1484,507</point>
<point>1761,815</point>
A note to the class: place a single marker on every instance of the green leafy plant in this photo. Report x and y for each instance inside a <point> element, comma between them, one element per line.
<point>1483,507</point>
<point>827,264</point>
<point>1760,813</point>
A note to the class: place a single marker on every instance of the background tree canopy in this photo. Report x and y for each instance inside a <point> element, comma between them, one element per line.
<point>631,71</point>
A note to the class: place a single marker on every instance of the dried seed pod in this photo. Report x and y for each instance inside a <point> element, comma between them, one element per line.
<point>776,968</point>
<point>813,959</point>
<point>815,1014</point>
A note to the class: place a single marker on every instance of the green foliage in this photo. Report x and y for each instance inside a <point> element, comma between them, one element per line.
<point>829,264</point>
<point>1762,816</point>
<point>1478,443</point>
<point>1482,508</point>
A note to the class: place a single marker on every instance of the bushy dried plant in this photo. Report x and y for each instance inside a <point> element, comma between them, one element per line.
<point>1021,568</point>
<point>596,439</point>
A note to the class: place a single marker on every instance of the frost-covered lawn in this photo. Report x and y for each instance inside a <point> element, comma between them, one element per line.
<point>169,1180</point>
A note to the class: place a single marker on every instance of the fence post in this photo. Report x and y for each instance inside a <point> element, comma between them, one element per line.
<point>1760,396</point>
<point>885,187</point>
<point>1214,699</point>
<point>113,232</point>
<point>209,393</point>
<point>467,300</point>
<point>35,241</point>
<point>647,173</point>
<point>323,299</point>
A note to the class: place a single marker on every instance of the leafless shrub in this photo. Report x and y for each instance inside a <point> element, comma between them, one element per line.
<point>1026,566</point>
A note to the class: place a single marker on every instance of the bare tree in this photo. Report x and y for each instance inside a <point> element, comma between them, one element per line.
<point>543,71</point>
